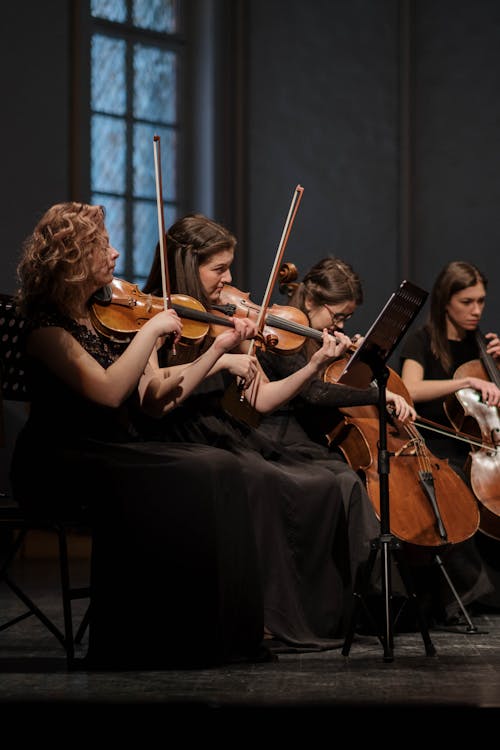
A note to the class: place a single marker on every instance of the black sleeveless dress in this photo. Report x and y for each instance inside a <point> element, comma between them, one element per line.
<point>175,576</point>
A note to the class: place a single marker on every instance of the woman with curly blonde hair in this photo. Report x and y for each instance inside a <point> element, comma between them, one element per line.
<point>175,579</point>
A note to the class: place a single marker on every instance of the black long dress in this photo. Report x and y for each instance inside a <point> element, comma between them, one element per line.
<point>175,576</point>
<point>301,425</point>
<point>309,522</point>
<point>474,565</point>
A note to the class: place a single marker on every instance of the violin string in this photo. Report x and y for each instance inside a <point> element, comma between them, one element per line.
<point>292,327</point>
<point>284,324</point>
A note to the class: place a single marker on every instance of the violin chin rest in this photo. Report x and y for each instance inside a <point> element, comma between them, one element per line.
<point>104,295</point>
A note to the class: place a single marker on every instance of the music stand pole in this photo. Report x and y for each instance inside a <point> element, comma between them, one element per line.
<point>386,538</point>
<point>386,542</point>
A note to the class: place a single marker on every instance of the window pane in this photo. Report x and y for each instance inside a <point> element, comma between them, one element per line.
<point>144,164</point>
<point>157,15</point>
<point>108,90</point>
<point>115,224</point>
<point>113,10</point>
<point>155,84</point>
<point>107,155</point>
<point>146,234</point>
<point>134,82</point>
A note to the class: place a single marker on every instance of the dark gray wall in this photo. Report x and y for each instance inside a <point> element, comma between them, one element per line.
<point>457,196</point>
<point>323,110</point>
<point>34,127</point>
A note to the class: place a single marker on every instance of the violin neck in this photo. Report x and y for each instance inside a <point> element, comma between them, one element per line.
<point>278,322</point>
<point>291,327</point>
<point>192,313</point>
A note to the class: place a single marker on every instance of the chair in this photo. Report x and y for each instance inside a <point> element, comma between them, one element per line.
<point>14,524</point>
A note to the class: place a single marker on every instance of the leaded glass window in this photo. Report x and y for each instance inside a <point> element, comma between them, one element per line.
<point>136,56</point>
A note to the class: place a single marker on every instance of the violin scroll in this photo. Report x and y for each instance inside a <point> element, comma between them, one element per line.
<point>288,275</point>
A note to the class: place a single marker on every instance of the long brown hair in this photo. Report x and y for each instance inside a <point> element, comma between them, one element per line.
<point>454,277</point>
<point>191,242</point>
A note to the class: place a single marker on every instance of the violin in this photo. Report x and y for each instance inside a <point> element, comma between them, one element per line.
<point>285,329</point>
<point>119,310</point>
<point>468,414</point>
<point>430,504</point>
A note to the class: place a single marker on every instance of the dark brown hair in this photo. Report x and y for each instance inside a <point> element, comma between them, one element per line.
<point>191,242</point>
<point>454,277</point>
<point>331,281</point>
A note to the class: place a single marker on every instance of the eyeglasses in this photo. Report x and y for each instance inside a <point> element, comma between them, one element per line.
<point>337,317</point>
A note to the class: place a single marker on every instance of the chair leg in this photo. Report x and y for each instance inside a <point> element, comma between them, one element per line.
<point>31,607</point>
<point>83,626</point>
<point>69,643</point>
<point>66,637</point>
<point>13,550</point>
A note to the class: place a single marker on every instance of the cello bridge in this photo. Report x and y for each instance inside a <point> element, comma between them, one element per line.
<point>410,446</point>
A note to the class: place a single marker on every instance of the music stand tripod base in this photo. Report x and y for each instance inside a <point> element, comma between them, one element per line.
<point>386,543</point>
<point>389,547</point>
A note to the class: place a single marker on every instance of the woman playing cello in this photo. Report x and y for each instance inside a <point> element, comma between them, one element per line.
<point>430,356</point>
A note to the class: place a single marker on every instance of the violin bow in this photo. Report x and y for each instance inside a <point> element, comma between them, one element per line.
<point>292,212</point>
<point>165,278</point>
<point>273,276</point>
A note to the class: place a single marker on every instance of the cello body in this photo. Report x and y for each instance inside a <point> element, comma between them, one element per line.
<point>470,415</point>
<point>430,505</point>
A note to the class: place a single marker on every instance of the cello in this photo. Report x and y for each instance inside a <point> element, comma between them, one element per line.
<point>424,511</point>
<point>468,414</point>
<point>431,506</point>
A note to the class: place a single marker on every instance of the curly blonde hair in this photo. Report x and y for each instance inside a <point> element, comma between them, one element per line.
<point>57,255</point>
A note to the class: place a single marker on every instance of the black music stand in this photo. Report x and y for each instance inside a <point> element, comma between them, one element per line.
<point>367,364</point>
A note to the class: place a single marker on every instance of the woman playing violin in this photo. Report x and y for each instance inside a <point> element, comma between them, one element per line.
<point>313,529</point>
<point>164,524</point>
<point>430,356</point>
<point>328,294</point>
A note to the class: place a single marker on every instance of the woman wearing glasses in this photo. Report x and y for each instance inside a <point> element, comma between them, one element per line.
<point>329,295</point>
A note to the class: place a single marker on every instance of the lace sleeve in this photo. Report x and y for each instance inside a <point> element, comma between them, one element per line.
<point>317,392</point>
<point>103,349</point>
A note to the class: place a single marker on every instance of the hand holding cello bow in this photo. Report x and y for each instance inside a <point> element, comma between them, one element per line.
<point>443,368</point>
<point>430,505</point>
